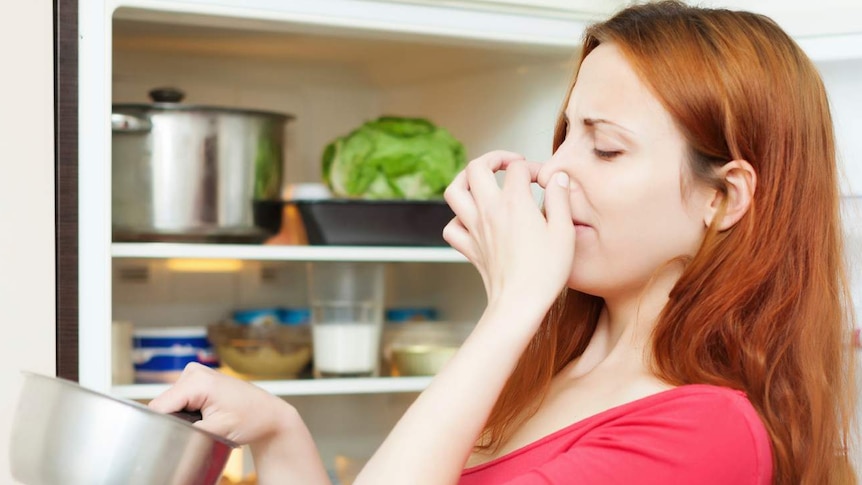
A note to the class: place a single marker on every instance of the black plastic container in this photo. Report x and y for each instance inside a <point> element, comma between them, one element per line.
<point>352,222</point>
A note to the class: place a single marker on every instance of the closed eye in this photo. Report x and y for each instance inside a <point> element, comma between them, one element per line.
<point>606,155</point>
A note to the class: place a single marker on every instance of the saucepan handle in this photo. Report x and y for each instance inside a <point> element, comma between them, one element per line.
<point>190,416</point>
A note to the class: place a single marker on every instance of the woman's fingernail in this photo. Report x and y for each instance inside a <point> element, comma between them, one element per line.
<point>562,178</point>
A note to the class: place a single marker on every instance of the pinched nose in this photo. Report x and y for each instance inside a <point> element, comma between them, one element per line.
<point>549,169</point>
<point>546,172</point>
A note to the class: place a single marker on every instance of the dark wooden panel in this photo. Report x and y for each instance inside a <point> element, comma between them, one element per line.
<point>66,183</point>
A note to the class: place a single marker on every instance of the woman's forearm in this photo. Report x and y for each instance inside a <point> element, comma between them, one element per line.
<point>289,455</point>
<point>434,438</point>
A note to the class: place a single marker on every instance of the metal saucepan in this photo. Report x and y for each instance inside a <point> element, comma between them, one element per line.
<point>63,433</point>
<point>192,173</point>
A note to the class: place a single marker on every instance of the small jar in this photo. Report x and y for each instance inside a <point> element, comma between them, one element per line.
<point>423,348</point>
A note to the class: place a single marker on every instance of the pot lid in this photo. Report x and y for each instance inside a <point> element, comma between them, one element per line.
<point>169,99</point>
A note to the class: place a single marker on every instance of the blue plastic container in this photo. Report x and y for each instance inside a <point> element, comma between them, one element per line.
<point>161,354</point>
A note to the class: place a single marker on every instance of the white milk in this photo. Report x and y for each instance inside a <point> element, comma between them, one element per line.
<point>346,348</point>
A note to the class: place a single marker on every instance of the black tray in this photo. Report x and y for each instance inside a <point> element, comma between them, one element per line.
<point>351,222</point>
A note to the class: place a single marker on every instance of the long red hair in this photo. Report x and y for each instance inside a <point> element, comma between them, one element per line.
<point>762,307</point>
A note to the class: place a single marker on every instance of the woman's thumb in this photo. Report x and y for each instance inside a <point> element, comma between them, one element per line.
<point>220,424</point>
<point>558,209</point>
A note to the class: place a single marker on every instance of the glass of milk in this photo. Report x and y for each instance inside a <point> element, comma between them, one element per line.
<point>346,301</point>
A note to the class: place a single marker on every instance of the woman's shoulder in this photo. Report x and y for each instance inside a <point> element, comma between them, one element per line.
<point>696,424</point>
<point>698,408</point>
<point>696,398</point>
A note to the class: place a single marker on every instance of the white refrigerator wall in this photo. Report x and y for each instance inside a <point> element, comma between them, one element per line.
<point>26,206</point>
<point>845,100</point>
<point>511,109</point>
<point>852,212</point>
<point>841,79</point>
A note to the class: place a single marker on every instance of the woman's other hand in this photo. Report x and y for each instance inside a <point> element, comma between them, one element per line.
<point>522,255</point>
<point>234,409</point>
<point>281,445</point>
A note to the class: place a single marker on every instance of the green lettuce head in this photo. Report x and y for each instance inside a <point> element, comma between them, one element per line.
<point>393,158</point>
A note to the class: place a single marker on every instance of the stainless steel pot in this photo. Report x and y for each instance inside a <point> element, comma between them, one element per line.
<point>63,433</point>
<point>186,172</point>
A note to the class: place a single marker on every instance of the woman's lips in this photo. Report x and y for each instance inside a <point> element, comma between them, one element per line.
<point>581,227</point>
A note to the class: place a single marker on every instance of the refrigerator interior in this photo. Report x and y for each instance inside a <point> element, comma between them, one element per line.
<point>487,96</point>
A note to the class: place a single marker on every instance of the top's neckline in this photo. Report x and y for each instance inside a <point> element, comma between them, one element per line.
<point>640,402</point>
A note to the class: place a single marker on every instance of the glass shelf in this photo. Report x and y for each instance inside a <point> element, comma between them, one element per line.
<point>300,387</point>
<point>287,253</point>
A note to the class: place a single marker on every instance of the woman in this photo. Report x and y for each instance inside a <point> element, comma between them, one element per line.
<point>675,313</point>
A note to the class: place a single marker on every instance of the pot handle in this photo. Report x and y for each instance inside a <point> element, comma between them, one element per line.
<point>126,123</point>
<point>190,416</point>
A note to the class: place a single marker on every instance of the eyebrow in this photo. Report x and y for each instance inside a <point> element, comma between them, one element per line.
<point>598,121</point>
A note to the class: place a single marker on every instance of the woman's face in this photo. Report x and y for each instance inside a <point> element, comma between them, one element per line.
<point>625,159</point>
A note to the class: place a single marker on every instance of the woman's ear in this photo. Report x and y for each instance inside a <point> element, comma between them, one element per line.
<point>740,180</point>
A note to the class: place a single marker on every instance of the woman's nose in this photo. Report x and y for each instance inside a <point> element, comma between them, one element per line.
<point>549,168</point>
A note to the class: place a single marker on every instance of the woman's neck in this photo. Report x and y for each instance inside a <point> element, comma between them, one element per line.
<point>623,334</point>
